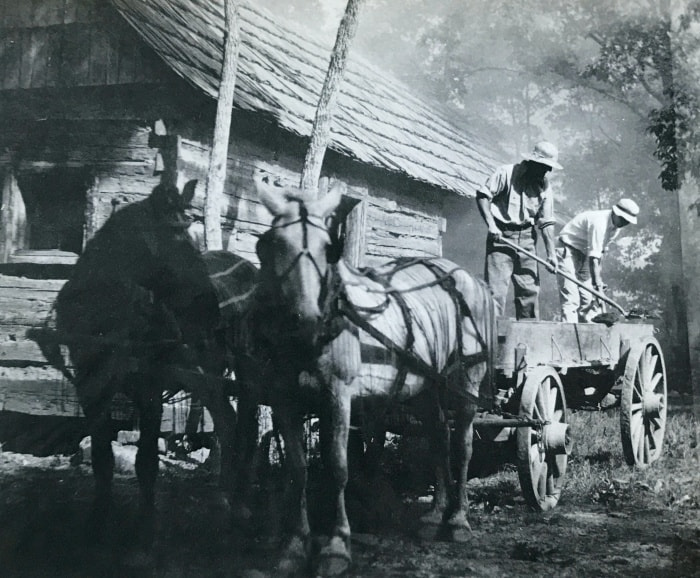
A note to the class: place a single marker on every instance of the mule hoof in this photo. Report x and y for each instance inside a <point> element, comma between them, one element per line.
<point>432,517</point>
<point>458,534</point>
<point>138,560</point>
<point>295,559</point>
<point>334,559</point>
<point>97,522</point>
<point>428,531</point>
<point>455,531</point>
<point>458,528</point>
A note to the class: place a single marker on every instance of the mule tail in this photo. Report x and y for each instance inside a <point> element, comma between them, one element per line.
<point>49,341</point>
<point>489,333</point>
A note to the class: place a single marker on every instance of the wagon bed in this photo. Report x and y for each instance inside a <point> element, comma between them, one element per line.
<point>565,345</point>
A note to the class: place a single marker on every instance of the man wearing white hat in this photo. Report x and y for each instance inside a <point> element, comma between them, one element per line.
<point>580,247</point>
<point>515,203</point>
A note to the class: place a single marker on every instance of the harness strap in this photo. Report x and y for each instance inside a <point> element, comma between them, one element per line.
<point>413,362</point>
<point>410,360</point>
<point>462,306</point>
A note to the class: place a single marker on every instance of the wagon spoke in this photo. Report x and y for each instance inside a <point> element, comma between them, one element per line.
<point>651,438</point>
<point>646,449</point>
<point>654,382</point>
<point>558,416</point>
<point>542,480</point>
<point>550,480</point>
<point>636,407</point>
<point>640,441</point>
<point>636,429</point>
<point>560,462</point>
<point>536,413</point>
<point>640,372</point>
<point>542,400</point>
<point>651,365</point>
<point>645,363</point>
<point>553,399</point>
<point>638,391</point>
<point>654,423</point>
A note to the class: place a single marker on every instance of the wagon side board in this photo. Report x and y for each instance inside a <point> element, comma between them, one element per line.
<point>564,345</point>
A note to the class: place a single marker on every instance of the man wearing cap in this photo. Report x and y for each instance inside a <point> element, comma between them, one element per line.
<point>515,202</point>
<point>580,247</point>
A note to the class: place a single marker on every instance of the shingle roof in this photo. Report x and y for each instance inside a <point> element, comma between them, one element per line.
<point>281,72</point>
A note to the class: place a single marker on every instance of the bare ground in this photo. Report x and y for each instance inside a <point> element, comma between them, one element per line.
<point>612,521</point>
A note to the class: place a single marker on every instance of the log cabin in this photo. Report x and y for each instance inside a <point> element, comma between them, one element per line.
<point>99,98</point>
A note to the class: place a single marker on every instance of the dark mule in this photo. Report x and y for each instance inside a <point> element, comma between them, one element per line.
<point>140,316</point>
<point>417,331</point>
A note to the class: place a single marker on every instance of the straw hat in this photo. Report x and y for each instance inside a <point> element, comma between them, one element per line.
<point>627,209</point>
<point>545,153</point>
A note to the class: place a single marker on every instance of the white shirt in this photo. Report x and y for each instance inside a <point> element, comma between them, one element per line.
<point>590,232</point>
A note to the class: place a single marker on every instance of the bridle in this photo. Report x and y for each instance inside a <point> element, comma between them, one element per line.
<point>306,222</point>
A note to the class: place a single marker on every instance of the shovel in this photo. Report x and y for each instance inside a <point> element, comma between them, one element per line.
<point>598,294</point>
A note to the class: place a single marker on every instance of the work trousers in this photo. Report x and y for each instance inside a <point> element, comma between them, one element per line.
<point>504,264</point>
<point>577,304</point>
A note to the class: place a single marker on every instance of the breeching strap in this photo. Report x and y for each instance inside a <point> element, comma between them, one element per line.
<point>407,356</point>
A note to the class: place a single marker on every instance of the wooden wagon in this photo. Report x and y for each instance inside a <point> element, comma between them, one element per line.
<point>543,368</point>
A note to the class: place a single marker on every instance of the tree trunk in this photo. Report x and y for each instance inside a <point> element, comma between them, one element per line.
<point>685,40</point>
<point>216,176</point>
<point>321,131</point>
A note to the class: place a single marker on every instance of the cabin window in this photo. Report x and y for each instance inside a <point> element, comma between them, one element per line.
<point>48,215</point>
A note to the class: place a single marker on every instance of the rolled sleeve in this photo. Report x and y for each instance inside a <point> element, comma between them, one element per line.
<point>495,184</point>
<point>545,216</point>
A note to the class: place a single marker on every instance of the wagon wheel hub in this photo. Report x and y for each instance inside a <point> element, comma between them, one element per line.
<point>653,403</point>
<point>556,439</point>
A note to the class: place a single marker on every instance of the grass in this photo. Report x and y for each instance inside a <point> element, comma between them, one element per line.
<point>598,472</point>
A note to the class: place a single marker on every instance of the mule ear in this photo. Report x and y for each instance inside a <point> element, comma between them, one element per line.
<point>270,195</point>
<point>188,192</point>
<point>329,202</point>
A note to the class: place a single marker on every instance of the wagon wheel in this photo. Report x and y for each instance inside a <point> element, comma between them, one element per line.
<point>643,404</point>
<point>543,451</point>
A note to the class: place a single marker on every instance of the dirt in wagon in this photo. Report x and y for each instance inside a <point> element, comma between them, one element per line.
<point>611,521</point>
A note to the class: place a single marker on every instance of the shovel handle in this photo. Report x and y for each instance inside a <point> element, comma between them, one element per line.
<point>600,295</point>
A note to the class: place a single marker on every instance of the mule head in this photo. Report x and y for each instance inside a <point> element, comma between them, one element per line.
<point>172,207</point>
<point>293,253</point>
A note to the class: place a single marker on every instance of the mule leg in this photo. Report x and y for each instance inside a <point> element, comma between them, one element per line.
<point>296,552</point>
<point>335,426</point>
<point>244,457</point>
<point>150,411</point>
<point>439,434</point>
<point>224,417</point>
<point>457,524</point>
<point>99,423</point>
